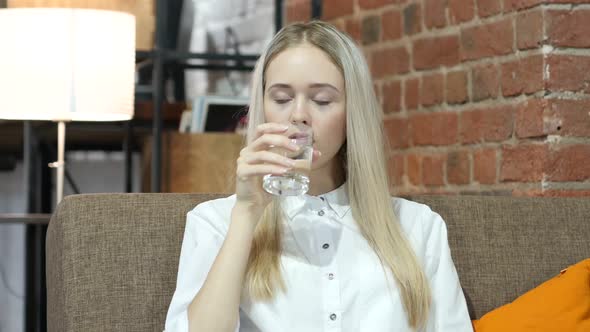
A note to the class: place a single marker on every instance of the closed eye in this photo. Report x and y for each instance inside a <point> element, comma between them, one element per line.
<point>282,101</point>
<point>323,102</point>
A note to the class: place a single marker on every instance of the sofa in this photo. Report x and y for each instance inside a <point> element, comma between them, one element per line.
<point>112,258</point>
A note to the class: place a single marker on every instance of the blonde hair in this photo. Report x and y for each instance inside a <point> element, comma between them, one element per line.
<point>365,167</point>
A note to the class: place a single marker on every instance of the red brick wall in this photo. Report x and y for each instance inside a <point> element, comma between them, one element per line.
<point>480,96</point>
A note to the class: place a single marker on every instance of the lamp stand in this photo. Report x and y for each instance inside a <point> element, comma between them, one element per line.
<point>60,163</point>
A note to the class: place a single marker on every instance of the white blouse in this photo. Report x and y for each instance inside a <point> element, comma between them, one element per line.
<point>334,280</point>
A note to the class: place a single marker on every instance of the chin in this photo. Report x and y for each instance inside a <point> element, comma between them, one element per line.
<point>322,162</point>
<point>317,164</point>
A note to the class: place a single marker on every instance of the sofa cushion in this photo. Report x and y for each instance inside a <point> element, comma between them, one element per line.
<point>504,246</point>
<point>112,260</point>
<point>560,304</point>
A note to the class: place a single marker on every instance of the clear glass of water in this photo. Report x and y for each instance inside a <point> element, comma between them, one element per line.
<point>296,181</point>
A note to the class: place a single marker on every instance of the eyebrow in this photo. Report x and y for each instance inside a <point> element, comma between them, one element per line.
<point>313,86</point>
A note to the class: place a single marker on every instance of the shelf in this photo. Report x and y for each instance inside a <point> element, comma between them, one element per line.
<point>174,55</point>
<point>169,55</point>
<point>27,219</point>
<point>144,111</point>
<point>106,136</point>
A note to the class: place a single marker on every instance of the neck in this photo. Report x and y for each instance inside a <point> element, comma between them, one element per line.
<point>326,178</point>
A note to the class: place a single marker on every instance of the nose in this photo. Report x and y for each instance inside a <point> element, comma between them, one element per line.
<point>300,113</point>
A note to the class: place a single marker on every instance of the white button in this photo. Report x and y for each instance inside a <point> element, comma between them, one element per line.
<point>321,213</point>
<point>333,316</point>
<point>331,276</point>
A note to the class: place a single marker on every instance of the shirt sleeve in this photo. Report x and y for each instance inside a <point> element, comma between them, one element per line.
<point>201,243</point>
<point>448,307</point>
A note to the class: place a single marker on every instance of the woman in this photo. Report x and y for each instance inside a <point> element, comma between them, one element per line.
<point>344,257</point>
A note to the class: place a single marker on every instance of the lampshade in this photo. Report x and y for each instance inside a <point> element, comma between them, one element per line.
<point>66,64</point>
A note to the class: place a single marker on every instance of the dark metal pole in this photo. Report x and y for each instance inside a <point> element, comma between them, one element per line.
<point>30,186</point>
<point>158,86</point>
<point>47,206</point>
<point>30,179</point>
<point>36,292</point>
<point>36,184</point>
<point>278,15</point>
<point>127,148</point>
<point>316,9</point>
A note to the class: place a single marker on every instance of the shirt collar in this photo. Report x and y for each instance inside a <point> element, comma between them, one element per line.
<point>336,200</point>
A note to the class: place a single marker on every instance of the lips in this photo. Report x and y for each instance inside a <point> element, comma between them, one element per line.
<point>298,136</point>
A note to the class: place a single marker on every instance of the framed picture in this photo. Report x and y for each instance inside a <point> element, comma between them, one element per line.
<point>218,113</point>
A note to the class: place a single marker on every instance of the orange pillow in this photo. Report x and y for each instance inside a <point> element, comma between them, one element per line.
<point>559,304</point>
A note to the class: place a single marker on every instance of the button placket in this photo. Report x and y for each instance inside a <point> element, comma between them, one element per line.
<point>332,302</point>
<point>326,249</point>
<point>333,321</point>
<point>325,244</point>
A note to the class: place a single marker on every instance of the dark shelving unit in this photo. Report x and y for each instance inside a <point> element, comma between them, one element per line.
<point>164,57</point>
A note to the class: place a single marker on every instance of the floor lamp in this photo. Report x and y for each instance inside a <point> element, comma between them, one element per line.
<point>63,64</point>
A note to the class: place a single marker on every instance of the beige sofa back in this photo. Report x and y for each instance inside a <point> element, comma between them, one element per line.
<point>112,258</point>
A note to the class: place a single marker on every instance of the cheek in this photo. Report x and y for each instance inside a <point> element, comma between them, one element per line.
<point>334,131</point>
<point>338,127</point>
<point>271,114</point>
<point>266,109</point>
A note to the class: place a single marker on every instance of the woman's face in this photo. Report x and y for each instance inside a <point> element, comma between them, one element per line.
<point>304,86</point>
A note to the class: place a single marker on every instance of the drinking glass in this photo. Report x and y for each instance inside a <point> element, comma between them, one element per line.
<point>296,181</point>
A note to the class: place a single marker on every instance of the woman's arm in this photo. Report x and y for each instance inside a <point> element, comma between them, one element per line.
<point>213,261</point>
<point>216,305</point>
<point>448,307</point>
<point>209,227</point>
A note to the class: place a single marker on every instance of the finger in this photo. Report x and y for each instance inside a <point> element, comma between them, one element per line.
<point>246,171</point>
<point>267,157</point>
<point>267,140</point>
<point>270,128</point>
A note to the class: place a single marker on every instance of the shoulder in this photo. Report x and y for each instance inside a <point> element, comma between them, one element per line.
<point>411,214</point>
<point>214,214</point>
<point>422,225</point>
<point>406,209</point>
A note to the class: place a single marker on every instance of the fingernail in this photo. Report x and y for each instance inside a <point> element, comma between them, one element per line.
<point>319,152</point>
<point>284,127</point>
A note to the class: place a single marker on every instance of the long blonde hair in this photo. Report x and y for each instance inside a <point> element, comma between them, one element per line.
<point>365,167</point>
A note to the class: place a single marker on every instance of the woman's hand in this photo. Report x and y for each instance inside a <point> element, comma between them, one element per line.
<point>256,160</point>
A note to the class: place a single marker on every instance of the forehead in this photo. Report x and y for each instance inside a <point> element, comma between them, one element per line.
<point>303,64</point>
